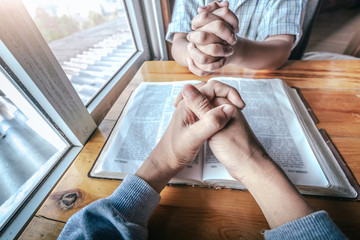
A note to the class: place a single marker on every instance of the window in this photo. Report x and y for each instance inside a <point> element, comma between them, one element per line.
<point>92,40</point>
<point>61,82</point>
<point>29,147</point>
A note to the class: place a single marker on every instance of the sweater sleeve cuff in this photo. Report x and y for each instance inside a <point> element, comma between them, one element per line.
<point>135,199</point>
<point>317,225</point>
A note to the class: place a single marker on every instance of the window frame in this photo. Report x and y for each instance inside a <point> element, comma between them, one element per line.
<point>102,103</point>
<point>27,56</point>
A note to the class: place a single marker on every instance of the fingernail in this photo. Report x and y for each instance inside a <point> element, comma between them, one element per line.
<point>228,110</point>
<point>187,92</point>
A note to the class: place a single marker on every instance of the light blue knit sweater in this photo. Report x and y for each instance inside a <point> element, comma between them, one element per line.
<point>124,215</point>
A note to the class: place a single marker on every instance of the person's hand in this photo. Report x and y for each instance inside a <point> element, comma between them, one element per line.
<point>235,145</point>
<point>239,150</point>
<point>214,31</point>
<point>215,89</point>
<point>183,139</point>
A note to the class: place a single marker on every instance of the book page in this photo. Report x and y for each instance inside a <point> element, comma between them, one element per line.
<point>274,122</point>
<point>140,127</point>
<point>213,169</point>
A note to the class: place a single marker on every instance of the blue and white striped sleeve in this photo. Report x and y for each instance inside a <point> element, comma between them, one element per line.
<point>183,13</point>
<point>282,17</point>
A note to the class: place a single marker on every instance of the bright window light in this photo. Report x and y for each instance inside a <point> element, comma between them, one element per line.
<point>91,39</point>
<point>29,148</point>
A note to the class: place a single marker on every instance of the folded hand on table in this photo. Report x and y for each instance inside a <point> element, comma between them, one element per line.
<point>236,146</point>
<point>185,135</point>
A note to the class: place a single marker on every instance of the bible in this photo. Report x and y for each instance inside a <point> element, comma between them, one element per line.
<point>276,113</point>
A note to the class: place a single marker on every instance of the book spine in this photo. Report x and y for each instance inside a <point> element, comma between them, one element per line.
<point>341,162</point>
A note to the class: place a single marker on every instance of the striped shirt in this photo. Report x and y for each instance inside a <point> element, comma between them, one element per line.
<point>258,19</point>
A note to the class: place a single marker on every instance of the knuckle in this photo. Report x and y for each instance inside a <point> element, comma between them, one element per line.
<point>211,67</point>
<point>212,49</point>
<point>224,11</point>
<point>218,24</point>
<point>212,5</point>
<point>202,37</point>
<point>199,85</point>
<point>203,16</point>
<point>193,24</point>
<point>191,68</point>
<point>229,37</point>
<point>196,71</point>
<point>208,67</point>
<point>217,50</point>
<point>212,83</point>
<point>203,104</point>
<point>203,59</point>
<point>189,36</point>
<point>216,65</point>
<point>202,73</point>
<point>233,90</point>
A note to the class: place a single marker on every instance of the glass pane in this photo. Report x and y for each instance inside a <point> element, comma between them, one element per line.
<point>29,148</point>
<point>91,39</point>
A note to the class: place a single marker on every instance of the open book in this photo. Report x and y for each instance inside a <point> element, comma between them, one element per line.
<point>275,112</point>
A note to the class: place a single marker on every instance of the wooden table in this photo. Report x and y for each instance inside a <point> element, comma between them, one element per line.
<point>332,89</point>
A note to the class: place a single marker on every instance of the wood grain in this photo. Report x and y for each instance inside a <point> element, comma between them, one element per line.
<point>42,228</point>
<point>332,88</point>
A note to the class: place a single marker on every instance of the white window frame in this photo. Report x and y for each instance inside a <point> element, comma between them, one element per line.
<point>155,29</point>
<point>99,106</point>
<point>28,56</point>
<point>151,45</point>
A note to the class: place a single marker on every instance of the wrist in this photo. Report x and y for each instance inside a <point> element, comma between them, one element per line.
<point>255,167</point>
<point>238,58</point>
<point>179,47</point>
<point>157,170</point>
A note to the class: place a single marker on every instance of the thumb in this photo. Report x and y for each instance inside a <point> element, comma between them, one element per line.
<point>211,122</point>
<point>196,101</point>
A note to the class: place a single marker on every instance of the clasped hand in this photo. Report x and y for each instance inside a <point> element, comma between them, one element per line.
<point>204,112</point>
<point>210,42</point>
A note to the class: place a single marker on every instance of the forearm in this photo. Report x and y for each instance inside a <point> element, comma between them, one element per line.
<point>277,197</point>
<point>270,54</point>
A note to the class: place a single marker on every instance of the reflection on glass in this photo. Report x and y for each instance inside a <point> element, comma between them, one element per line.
<point>91,39</point>
<point>26,155</point>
